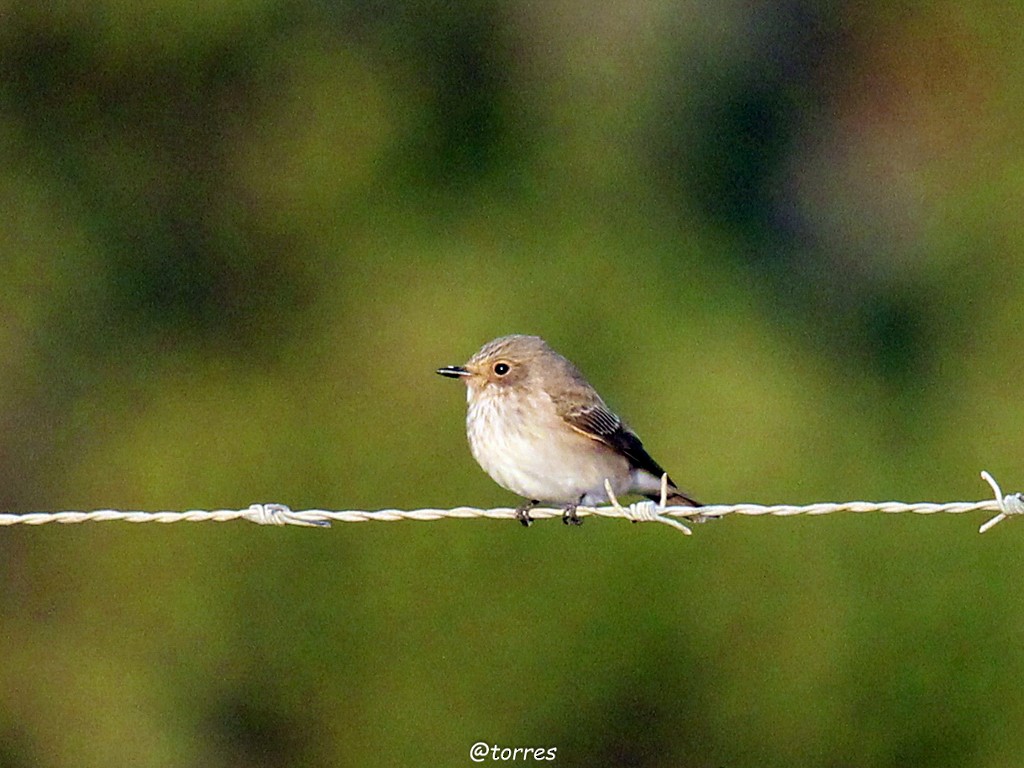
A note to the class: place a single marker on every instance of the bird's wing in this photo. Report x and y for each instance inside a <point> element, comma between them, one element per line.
<point>598,423</point>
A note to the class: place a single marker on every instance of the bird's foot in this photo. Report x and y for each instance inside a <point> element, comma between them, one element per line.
<point>569,516</point>
<point>523,512</point>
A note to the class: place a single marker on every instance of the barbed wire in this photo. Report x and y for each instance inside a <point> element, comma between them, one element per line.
<point>643,511</point>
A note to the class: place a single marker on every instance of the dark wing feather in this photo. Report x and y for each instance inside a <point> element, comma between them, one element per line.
<point>584,410</point>
<point>598,423</point>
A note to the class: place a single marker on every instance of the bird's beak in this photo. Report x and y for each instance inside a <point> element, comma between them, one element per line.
<point>453,371</point>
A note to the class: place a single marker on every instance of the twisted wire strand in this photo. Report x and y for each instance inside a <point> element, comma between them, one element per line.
<point>644,511</point>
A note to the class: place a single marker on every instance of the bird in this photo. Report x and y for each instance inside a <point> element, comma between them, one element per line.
<point>540,430</point>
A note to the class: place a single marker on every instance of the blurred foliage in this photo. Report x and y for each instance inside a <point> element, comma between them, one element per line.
<point>783,240</point>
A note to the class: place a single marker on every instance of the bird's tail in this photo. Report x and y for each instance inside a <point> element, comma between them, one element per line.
<point>675,498</point>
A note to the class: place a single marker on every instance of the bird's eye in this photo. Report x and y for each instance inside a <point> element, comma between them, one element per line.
<point>501,368</point>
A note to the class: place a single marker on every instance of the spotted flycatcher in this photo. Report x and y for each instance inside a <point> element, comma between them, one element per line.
<point>540,430</point>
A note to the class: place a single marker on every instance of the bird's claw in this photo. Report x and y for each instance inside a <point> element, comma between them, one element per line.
<point>523,513</point>
<point>569,516</point>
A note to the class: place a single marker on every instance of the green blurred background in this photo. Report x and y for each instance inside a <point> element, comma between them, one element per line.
<point>238,236</point>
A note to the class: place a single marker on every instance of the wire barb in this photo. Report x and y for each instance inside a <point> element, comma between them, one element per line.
<point>281,514</point>
<point>646,511</point>
<point>1012,504</point>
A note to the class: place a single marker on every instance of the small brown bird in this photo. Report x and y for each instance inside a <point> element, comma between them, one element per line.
<point>539,429</point>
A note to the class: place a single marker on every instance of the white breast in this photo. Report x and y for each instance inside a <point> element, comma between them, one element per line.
<point>524,445</point>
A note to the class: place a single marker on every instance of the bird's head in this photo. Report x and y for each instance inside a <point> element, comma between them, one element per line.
<point>503,363</point>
